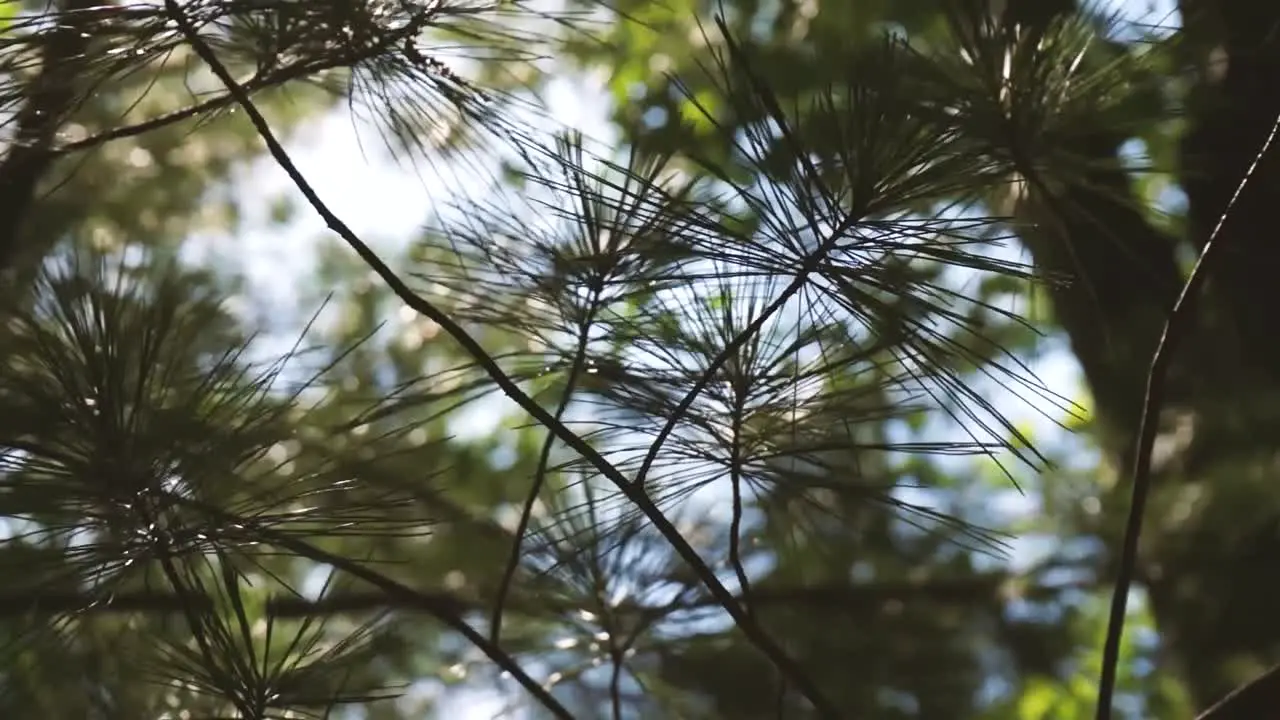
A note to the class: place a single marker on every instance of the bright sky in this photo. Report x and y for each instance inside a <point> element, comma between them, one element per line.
<point>387,204</point>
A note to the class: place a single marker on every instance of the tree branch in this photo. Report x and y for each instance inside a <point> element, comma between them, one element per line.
<point>544,458</point>
<point>1259,698</point>
<point>633,492</point>
<point>263,80</point>
<point>50,97</point>
<point>1181,318</point>
<point>443,609</point>
<point>1235,46</point>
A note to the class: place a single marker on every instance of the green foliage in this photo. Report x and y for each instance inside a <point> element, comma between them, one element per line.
<point>699,426</point>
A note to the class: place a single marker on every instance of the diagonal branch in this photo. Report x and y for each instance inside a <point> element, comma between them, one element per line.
<point>1180,319</point>
<point>811,264</point>
<point>444,611</point>
<point>58,88</point>
<point>1258,698</point>
<point>259,81</point>
<point>754,633</point>
<point>540,474</point>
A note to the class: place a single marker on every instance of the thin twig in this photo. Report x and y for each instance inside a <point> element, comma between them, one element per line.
<point>615,678</point>
<point>1257,698</point>
<point>544,457</point>
<point>754,633</point>
<point>499,657</point>
<point>1175,326</point>
<point>540,475</point>
<point>810,265</point>
<point>259,81</point>
<point>735,524</point>
<point>391,587</point>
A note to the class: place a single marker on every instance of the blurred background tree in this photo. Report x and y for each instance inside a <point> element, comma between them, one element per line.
<point>825,246</point>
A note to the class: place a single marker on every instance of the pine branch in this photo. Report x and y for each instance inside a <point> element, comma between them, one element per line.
<point>265,79</point>
<point>809,266</point>
<point>540,474</point>
<point>50,97</point>
<point>632,491</point>
<point>444,611</point>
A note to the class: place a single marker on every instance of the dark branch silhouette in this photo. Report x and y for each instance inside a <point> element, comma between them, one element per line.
<point>51,96</point>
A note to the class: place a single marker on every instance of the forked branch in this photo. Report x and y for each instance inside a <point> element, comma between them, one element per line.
<point>754,633</point>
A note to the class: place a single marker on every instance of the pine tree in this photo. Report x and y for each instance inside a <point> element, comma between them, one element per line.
<point>726,359</point>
